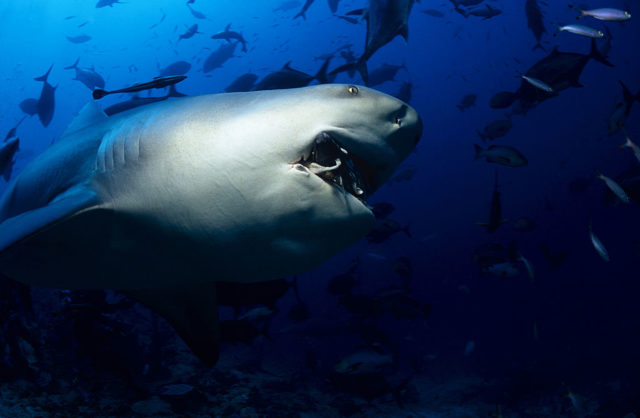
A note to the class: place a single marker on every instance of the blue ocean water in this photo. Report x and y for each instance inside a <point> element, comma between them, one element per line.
<point>444,333</point>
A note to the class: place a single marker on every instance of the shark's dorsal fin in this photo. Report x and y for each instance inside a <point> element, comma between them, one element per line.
<point>90,114</point>
<point>191,311</point>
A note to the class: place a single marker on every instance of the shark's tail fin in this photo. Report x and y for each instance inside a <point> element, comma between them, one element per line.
<point>74,66</point>
<point>45,76</point>
<point>596,55</point>
<point>361,66</point>
<point>538,46</point>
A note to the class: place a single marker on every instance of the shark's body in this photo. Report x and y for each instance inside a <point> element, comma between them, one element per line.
<point>164,200</point>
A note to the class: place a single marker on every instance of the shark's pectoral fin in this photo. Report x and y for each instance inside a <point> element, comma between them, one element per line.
<point>191,311</point>
<point>21,226</point>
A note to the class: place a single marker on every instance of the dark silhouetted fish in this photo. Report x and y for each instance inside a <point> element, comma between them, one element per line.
<point>47,100</point>
<point>484,12</point>
<point>80,39</point>
<point>228,35</point>
<point>219,56</point>
<point>8,150</point>
<point>105,3</point>
<point>467,101</point>
<point>195,13</point>
<point>287,5</point>
<point>87,76</point>
<point>243,83</point>
<point>386,19</point>
<point>345,282</point>
<point>386,72</point>
<point>164,15</point>
<point>290,78</point>
<point>176,68</point>
<point>382,209</point>
<point>12,131</point>
<point>495,209</point>
<point>496,129</point>
<point>351,20</point>
<point>534,21</point>
<point>503,99</point>
<point>156,83</point>
<point>404,92</point>
<point>555,260</point>
<point>137,101</point>
<point>559,70</point>
<point>618,118</point>
<point>29,106</point>
<point>383,229</point>
<point>304,9</point>
<point>501,154</point>
<point>193,29</point>
<point>333,5</point>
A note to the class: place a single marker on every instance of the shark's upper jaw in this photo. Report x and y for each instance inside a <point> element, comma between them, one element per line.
<point>338,167</point>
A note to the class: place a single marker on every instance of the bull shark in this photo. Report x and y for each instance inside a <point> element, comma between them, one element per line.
<point>164,200</point>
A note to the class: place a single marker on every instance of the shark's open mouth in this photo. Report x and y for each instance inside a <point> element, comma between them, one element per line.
<point>336,166</point>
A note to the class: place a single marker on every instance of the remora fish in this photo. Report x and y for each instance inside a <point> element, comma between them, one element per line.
<point>137,101</point>
<point>86,76</point>
<point>154,200</point>
<point>156,83</point>
<point>228,35</point>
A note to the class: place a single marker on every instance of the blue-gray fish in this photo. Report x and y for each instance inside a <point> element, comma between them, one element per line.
<point>228,35</point>
<point>87,76</point>
<point>598,245</point>
<point>582,31</point>
<point>80,39</point>
<point>614,187</point>
<point>47,100</point>
<point>219,56</point>
<point>501,154</point>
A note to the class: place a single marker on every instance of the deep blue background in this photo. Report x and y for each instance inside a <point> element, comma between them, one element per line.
<point>586,311</point>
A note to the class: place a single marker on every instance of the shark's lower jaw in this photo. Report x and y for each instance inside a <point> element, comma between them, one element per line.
<point>328,160</point>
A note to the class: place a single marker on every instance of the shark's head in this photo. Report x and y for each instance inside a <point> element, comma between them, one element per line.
<point>334,145</point>
<point>274,182</point>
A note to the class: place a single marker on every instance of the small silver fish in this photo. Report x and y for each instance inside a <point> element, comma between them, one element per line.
<point>539,84</point>
<point>597,244</point>
<point>614,187</point>
<point>629,144</point>
<point>582,30</point>
<point>609,14</point>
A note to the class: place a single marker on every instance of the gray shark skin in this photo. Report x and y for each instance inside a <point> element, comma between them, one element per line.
<point>165,200</point>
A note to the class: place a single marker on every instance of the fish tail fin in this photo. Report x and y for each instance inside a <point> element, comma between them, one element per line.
<point>478,150</point>
<point>481,135</point>
<point>596,55</point>
<point>460,107</point>
<point>321,76</point>
<point>363,70</point>
<point>75,65</point>
<point>538,46</point>
<point>227,28</point>
<point>45,76</point>
<point>628,96</point>
<point>99,93</point>
<point>300,14</point>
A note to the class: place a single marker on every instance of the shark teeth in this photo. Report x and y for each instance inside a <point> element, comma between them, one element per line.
<point>332,163</point>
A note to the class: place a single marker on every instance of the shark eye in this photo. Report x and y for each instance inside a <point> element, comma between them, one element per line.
<point>353,90</point>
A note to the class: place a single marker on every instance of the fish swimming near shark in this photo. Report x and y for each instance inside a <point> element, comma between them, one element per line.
<point>163,201</point>
<point>47,102</point>
<point>535,22</point>
<point>218,57</point>
<point>137,101</point>
<point>156,83</point>
<point>289,78</point>
<point>8,150</point>
<point>87,76</point>
<point>228,35</point>
<point>192,30</point>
